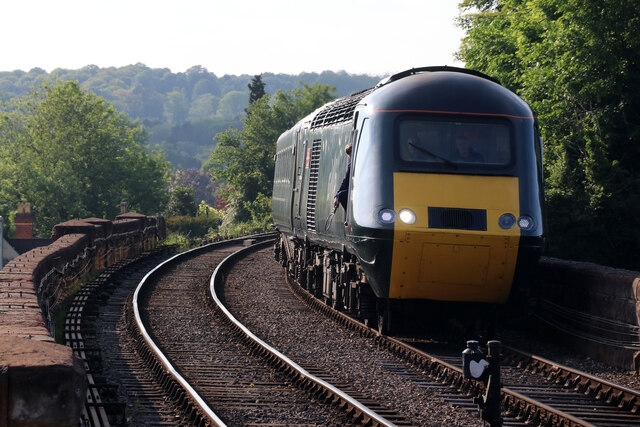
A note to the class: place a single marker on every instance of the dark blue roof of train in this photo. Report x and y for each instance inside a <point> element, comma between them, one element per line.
<point>429,89</point>
<point>448,92</point>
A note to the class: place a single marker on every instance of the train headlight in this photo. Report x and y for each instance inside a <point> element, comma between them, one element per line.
<point>526,223</point>
<point>407,216</point>
<point>506,221</point>
<point>387,216</point>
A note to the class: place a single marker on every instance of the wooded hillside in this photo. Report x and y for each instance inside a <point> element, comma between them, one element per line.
<point>181,111</point>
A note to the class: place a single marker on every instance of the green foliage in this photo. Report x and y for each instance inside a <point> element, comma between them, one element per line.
<point>193,226</point>
<point>256,216</point>
<point>72,155</point>
<point>189,232</point>
<point>206,210</point>
<point>240,229</point>
<point>203,107</point>
<point>188,144</point>
<point>232,104</point>
<point>243,159</point>
<point>234,212</point>
<point>181,240</point>
<point>181,111</point>
<point>256,88</point>
<point>182,202</point>
<point>204,189</point>
<point>260,211</point>
<point>176,108</point>
<point>577,63</point>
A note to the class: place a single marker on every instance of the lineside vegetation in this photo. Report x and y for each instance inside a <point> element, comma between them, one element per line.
<point>577,63</point>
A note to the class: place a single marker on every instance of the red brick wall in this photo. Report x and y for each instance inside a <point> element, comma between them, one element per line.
<point>33,287</point>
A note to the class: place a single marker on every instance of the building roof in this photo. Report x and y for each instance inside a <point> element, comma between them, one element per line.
<point>8,252</point>
<point>25,245</point>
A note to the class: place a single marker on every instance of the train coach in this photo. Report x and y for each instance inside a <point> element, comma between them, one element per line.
<point>444,205</point>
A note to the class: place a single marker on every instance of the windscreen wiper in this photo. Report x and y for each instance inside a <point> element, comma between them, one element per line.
<point>424,150</point>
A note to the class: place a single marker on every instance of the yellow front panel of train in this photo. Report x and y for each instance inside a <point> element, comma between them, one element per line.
<point>454,264</point>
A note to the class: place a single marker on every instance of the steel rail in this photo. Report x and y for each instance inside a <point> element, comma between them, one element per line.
<point>205,409</point>
<point>545,413</point>
<point>601,389</point>
<point>511,398</point>
<point>451,374</point>
<point>216,277</point>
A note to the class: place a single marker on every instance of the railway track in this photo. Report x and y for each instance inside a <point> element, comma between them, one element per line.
<point>226,378</point>
<point>536,392</point>
<point>250,384</point>
<point>322,346</point>
<point>120,391</point>
<point>605,403</point>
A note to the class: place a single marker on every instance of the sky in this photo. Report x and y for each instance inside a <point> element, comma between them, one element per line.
<point>375,37</point>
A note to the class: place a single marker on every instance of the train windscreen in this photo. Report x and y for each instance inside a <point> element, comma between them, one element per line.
<point>455,144</point>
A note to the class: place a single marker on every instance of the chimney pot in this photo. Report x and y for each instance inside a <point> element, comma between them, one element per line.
<point>23,221</point>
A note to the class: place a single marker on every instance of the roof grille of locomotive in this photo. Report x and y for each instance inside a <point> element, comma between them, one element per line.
<point>460,219</point>
<point>312,192</point>
<point>339,111</point>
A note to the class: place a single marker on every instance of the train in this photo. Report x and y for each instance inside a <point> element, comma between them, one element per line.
<point>444,197</point>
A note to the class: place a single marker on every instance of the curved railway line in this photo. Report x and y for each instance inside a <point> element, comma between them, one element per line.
<point>120,389</point>
<point>196,360</point>
<point>192,364</point>
<point>225,379</point>
<point>538,391</point>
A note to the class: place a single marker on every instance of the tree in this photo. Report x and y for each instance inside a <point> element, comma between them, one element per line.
<point>243,159</point>
<point>204,188</point>
<point>177,107</point>
<point>256,89</point>
<point>72,155</point>
<point>231,105</point>
<point>182,202</point>
<point>165,101</point>
<point>203,107</point>
<point>577,63</point>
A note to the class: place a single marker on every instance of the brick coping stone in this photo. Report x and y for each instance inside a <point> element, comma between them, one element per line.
<point>46,383</point>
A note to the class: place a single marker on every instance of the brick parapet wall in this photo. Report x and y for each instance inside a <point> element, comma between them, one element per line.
<point>30,284</point>
<point>595,309</point>
<point>33,287</point>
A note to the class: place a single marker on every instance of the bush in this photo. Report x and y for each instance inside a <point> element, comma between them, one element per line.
<point>241,229</point>
<point>182,241</point>
<point>260,210</point>
<point>193,226</point>
<point>182,201</point>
